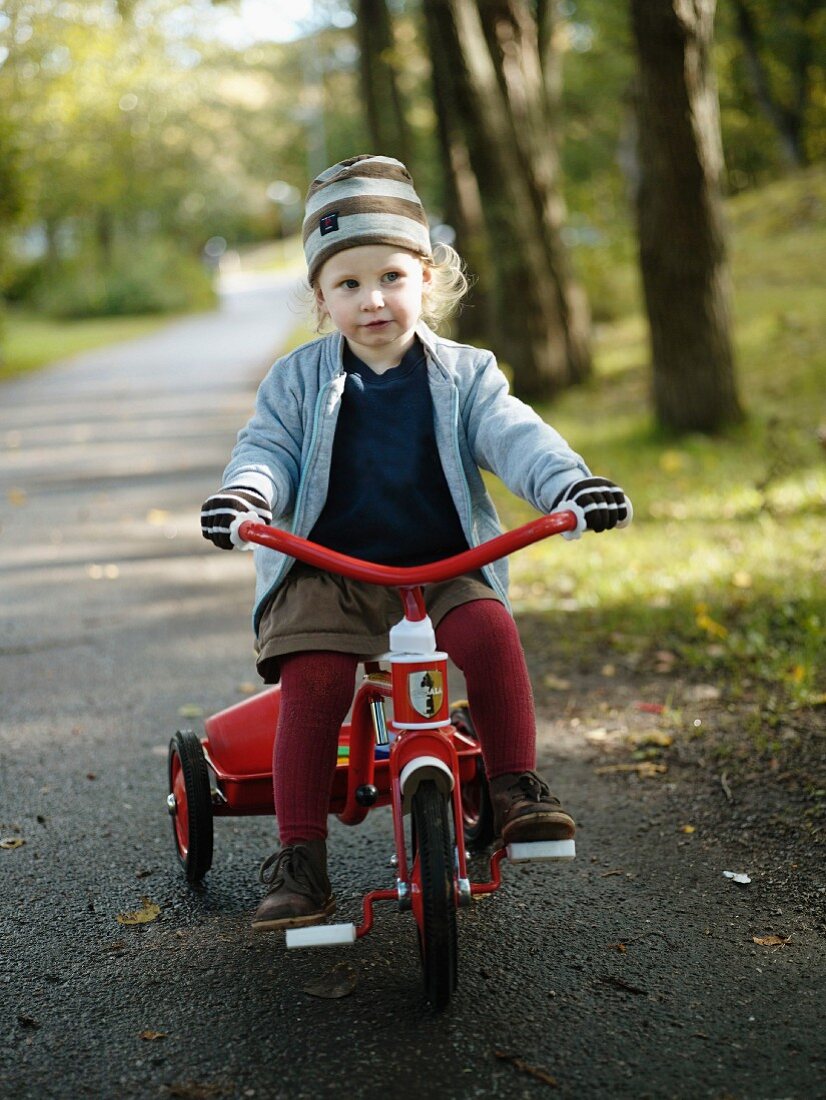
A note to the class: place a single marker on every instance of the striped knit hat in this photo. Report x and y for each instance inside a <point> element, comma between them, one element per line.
<point>363,200</point>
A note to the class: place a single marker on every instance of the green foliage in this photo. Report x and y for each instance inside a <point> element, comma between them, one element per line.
<point>140,121</point>
<point>723,567</point>
<point>153,278</point>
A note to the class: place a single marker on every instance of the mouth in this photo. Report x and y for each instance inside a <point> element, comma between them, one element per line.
<point>377,324</point>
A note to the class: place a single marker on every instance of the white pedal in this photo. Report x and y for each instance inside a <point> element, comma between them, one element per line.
<point>541,849</point>
<point>321,935</point>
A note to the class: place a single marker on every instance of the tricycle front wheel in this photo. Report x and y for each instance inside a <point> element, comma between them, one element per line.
<point>190,804</point>
<point>436,916</point>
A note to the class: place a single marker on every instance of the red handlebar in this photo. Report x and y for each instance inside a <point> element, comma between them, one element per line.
<point>334,562</point>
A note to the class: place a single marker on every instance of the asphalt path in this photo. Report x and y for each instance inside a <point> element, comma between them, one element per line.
<point>629,973</point>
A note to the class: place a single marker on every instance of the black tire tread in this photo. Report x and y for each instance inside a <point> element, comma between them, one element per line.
<point>198,859</point>
<point>437,938</point>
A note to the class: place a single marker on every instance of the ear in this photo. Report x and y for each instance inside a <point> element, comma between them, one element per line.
<point>427,276</point>
<point>321,305</point>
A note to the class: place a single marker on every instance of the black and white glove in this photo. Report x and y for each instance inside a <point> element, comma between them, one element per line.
<point>602,503</point>
<point>219,511</point>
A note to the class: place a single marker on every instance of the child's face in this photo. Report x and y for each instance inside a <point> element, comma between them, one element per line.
<point>373,295</point>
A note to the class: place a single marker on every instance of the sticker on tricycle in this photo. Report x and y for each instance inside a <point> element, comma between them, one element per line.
<point>425,691</point>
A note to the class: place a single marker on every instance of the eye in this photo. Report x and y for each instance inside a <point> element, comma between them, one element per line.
<point>350,284</point>
<point>392,276</point>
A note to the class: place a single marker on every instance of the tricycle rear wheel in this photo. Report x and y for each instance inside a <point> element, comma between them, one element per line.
<point>477,809</point>
<point>190,804</point>
<point>437,915</point>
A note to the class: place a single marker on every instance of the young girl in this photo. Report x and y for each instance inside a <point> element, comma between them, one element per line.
<point>370,441</point>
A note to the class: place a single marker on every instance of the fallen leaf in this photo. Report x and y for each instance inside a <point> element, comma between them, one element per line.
<point>619,947</point>
<point>687,829</point>
<point>336,983</point>
<point>742,579</point>
<point>618,983</point>
<point>664,660</point>
<point>671,462</point>
<point>149,911</point>
<point>157,517</point>
<point>645,768</point>
<point>556,683</point>
<point>738,876</point>
<point>193,1090</point>
<point>16,496</point>
<point>525,1067</point>
<point>650,737</point>
<point>650,708</point>
<point>700,693</point>
<point>597,735</point>
<point>608,670</point>
<point>10,842</point>
<point>706,623</point>
<point>190,710</point>
<point>248,688</point>
<point>28,1022</point>
<point>772,941</point>
<point>150,1036</point>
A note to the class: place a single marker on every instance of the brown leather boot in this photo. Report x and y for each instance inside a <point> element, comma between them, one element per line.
<point>525,810</point>
<point>299,891</point>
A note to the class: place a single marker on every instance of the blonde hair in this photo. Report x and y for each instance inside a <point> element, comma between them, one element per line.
<point>448,285</point>
<point>441,297</point>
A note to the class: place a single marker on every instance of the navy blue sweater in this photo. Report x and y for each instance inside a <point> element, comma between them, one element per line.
<point>388,500</point>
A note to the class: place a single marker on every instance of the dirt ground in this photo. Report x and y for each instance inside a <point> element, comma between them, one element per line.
<point>731,776</point>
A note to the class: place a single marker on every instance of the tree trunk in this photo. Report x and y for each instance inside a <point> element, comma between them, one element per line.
<point>527,72</point>
<point>386,121</point>
<point>541,322</point>
<point>679,211</point>
<point>788,123</point>
<point>461,204</point>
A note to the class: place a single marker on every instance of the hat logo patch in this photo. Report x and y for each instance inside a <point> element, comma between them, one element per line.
<point>328,224</point>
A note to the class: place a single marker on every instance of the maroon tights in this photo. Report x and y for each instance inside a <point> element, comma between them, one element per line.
<point>317,690</point>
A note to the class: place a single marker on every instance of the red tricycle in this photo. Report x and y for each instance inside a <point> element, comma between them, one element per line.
<point>423,760</point>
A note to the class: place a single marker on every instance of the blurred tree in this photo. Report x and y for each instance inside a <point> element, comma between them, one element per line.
<point>12,201</point>
<point>679,216</point>
<point>461,202</point>
<point>378,63</point>
<point>146,125</point>
<point>781,41</point>
<point>491,63</point>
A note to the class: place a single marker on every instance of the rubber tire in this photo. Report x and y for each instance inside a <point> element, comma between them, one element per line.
<point>196,860</point>
<point>479,831</point>
<point>437,935</point>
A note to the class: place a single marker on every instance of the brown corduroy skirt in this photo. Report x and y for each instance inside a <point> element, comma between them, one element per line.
<point>313,609</point>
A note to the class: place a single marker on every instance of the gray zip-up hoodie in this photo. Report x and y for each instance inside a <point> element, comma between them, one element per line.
<point>284,452</point>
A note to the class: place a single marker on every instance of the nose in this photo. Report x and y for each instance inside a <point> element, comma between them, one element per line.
<point>373,299</point>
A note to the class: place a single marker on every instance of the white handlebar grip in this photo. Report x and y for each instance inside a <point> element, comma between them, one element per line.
<point>627,521</point>
<point>571,506</point>
<point>234,537</point>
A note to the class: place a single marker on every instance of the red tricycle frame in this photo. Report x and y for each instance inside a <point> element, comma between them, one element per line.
<point>426,764</point>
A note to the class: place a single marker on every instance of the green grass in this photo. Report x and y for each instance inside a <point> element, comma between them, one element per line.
<point>725,563</point>
<point>32,341</point>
